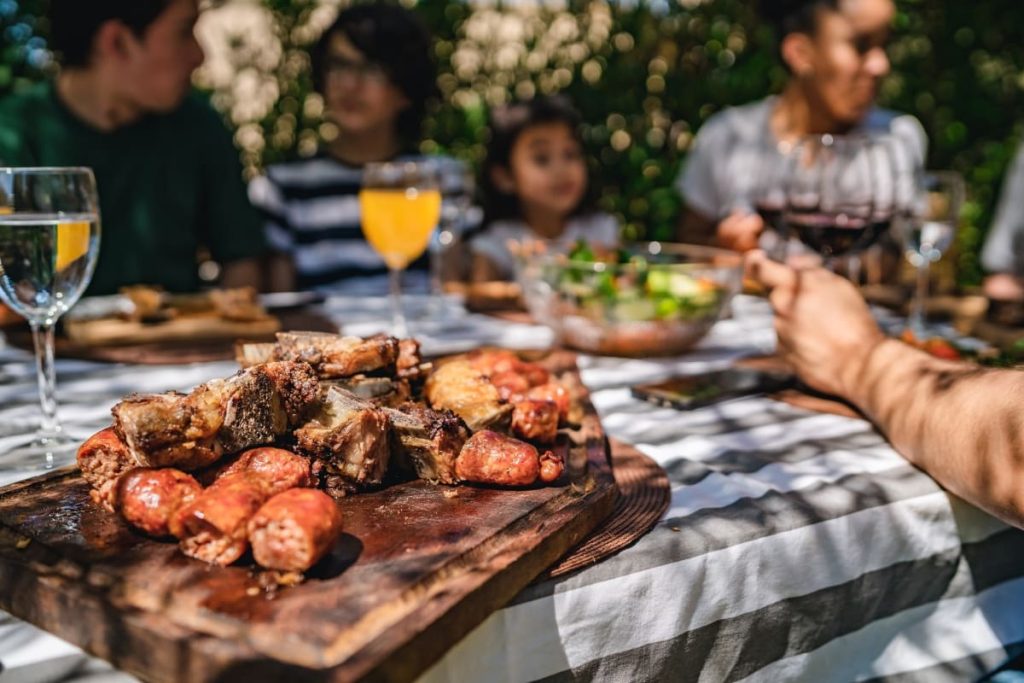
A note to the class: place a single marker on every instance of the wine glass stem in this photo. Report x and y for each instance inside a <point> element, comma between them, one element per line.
<point>399,328</point>
<point>920,296</point>
<point>42,335</point>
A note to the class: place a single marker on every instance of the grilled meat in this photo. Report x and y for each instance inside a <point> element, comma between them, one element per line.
<point>241,303</point>
<point>294,529</point>
<point>410,363</point>
<point>222,416</point>
<point>492,458</point>
<point>275,468</point>
<point>334,356</point>
<point>213,527</point>
<point>460,387</point>
<point>248,355</point>
<point>535,420</point>
<point>381,391</point>
<point>500,362</point>
<point>427,441</point>
<point>351,437</point>
<point>148,498</point>
<point>557,394</point>
<point>103,458</point>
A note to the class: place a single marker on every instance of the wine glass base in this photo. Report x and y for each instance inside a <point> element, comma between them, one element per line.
<point>43,452</point>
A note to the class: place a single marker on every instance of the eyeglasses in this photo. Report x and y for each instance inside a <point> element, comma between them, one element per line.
<point>369,72</point>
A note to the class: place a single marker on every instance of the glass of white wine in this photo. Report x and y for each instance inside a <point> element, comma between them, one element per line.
<point>400,205</point>
<point>49,243</point>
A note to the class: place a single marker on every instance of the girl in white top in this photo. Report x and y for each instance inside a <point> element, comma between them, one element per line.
<point>535,186</point>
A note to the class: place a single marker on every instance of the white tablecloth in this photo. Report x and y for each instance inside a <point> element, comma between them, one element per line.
<point>798,546</point>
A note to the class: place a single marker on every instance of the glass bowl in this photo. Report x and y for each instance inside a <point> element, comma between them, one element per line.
<point>647,299</point>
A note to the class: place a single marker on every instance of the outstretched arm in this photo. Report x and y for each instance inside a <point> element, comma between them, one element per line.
<point>962,424</point>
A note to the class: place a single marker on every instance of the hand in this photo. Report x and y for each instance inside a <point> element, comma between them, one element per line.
<point>1004,287</point>
<point>740,231</point>
<point>825,329</point>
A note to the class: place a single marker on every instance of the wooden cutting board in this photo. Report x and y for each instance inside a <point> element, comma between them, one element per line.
<point>418,567</point>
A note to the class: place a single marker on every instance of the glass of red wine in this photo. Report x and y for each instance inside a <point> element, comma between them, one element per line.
<point>757,185</point>
<point>839,197</point>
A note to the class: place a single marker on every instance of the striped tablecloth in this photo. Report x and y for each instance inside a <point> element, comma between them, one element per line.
<point>797,546</point>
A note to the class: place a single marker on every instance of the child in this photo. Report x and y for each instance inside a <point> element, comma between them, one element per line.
<point>535,186</point>
<point>373,67</point>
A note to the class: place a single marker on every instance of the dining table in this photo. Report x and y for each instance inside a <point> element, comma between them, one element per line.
<point>797,545</point>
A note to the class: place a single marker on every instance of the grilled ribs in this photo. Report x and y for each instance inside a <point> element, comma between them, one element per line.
<point>334,356</point>
<point>426,441</point>
<point>350,436</point>
<point>190,431</point>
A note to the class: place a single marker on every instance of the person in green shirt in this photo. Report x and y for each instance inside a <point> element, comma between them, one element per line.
<point>168,175</point>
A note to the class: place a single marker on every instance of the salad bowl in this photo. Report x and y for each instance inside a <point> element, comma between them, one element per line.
<point>645,299</point>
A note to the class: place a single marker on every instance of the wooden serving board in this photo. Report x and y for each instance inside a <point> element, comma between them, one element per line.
<point>418,567</point>
<point>192,328</point>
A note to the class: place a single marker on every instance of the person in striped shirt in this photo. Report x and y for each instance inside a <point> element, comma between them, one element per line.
<point>373,68</point>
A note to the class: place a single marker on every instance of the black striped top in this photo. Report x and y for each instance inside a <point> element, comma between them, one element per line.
<point>311,209</point>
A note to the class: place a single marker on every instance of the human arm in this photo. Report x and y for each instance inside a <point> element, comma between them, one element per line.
<point>280,273</point>
<point>279,263</point>
<point>962,424</point>
<point>483,269</point>
<point>242,273</point>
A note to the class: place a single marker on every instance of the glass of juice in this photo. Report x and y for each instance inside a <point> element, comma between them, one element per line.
<point>49,243</point>
<point>400,206</point>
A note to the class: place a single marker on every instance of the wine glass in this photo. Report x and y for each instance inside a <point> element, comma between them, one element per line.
<point>49,243</point>
<point>927,230</point>
<point>457,187</point>
<point>400,204</point>
<point>759,185</point>
<point>839,197</point>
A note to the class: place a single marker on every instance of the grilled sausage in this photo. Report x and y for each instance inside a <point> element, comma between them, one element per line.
<point>275,468</point>
<point>212,527</point>
<point>294,529</point>
<point>148,498</point>
<point>551,467</point>
<point>535,420</point>
<point>555,392</point>
<point>103,458</point>
<point>492,458</point>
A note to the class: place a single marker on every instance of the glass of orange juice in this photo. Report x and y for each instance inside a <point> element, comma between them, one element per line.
<point>400,205</point>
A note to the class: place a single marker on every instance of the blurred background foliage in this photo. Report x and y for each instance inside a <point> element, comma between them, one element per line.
<point>645,75</point>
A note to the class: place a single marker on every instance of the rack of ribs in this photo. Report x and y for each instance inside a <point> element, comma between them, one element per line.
<point>460,387</point>
<point>189,431</point>
<point>334,356</point>
<point>427,441</point>
<point>381,391</point>
<point>350,436</point>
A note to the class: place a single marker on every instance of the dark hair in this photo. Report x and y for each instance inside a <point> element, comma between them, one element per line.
<point>75,23</point>
<point>396,39</point>
<point>508,123</point>
<point>793,16</point>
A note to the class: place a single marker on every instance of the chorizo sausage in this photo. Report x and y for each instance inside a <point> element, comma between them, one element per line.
<point>492,458</point>
<point>102,459</point>
<point>535,420</point>
<point>294,529</point>
<point>275,468</point>
<point>147,498</point>
<point>555,392</point>
<point>212,528</point>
